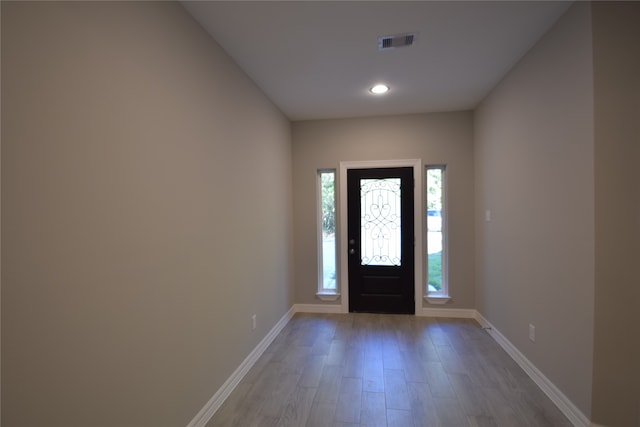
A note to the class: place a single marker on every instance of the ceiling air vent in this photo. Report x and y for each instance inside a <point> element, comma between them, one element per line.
<point>396,40</point>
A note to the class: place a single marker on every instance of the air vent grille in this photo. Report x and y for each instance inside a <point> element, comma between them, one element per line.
<point>396,40</point>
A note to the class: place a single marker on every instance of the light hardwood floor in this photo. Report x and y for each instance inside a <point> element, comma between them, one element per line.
<point>385,370</point>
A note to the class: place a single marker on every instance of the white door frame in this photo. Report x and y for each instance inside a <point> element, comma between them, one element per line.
<point>418,224</point>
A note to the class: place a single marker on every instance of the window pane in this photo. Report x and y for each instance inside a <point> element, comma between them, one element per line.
<point>434,229</point>
<point>328,224</point>
<point>380,221</point>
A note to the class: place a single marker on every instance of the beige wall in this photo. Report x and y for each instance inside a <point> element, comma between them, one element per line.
<point>534,171</point>
<point>146,196</point>
<point>444,138</point>
<point>616,373</point>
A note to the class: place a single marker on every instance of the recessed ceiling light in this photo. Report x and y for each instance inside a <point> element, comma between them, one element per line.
<point>379,89</point>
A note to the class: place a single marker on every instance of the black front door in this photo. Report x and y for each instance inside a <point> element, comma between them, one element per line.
<point>381,240</point>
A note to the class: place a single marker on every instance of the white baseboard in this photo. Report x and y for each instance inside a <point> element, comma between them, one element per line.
<point>571,411</point>
<point>458,313</point>
<point>206,413</point>
<point>318,308</point>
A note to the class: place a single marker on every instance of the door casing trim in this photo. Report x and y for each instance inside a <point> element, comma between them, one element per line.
<point>418,231</point>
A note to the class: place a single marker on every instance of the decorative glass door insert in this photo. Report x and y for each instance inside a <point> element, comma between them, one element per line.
<point>380,221</point>
<point>380,240</point>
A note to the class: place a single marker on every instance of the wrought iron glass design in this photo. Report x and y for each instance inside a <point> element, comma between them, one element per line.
<point>380,221</point>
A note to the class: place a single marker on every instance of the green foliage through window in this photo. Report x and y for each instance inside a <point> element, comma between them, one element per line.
<point>327,227</point>
<point>436,274</point>
<point>328,202</point>
<point>435,270</point>
<point>434,189</point>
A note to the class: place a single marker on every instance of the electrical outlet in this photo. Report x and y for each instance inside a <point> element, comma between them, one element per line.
<point>532,332</point>
<point>253,322</point>
<point>487,215</point>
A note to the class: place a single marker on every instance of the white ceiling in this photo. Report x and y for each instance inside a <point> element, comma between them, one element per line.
<point>317,59</point>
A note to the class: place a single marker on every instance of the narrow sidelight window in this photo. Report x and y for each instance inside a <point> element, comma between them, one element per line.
<point>436,231</point>
<point>327,231</point>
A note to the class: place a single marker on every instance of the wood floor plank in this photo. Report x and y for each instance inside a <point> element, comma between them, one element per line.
<point>449,412</point>
<point>228,412</point>
<point>349,400</point>
<point>373,375</point>
<point>437,335</point>
<point>399,418</point>
<point>501,409</point>
<point>358,370</point>
<point>321,414</point>
<point>451,360</point>
<point>396,392</point>
<point>337,352</point>
<point>353,364</point>
<point>282,390</point>
<point>414,368</point>
<point>373,412</point>
<point>421,402</point>
<point>427,350</point>
<point>297,408</point>
<point>481,421</point>
<point>296,359</point>
<point>541,400</point>
<point>392,357</point>
<point>471,396</point>
<point>322,344</point>
<point>245,414</point>
<point>312,371</point>
<point>329,384</point>
<point>438,380</point>
<point>478,371</point>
